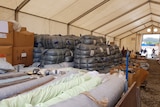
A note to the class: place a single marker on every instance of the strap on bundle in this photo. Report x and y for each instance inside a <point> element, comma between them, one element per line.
<point>101,103</point>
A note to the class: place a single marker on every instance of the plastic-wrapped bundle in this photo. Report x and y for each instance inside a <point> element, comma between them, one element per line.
<point>112,50</point>
<point>101,53</point>
<point>71,41</point>
<point>85,47</point>
<point>54,41</point>
<point>117,57</point>
<point>44,41</point>
<point>38,40</point>
<point>84,57</point>
<point>84,51</point>
<point>55,56</point>
<point>101,41</point>
<point>88,39</point>
<point>85,63</point>
<point>37,54</point>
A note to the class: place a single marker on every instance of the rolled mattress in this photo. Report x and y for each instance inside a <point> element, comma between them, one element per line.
<point>13,90</point>
<point>111,90</point>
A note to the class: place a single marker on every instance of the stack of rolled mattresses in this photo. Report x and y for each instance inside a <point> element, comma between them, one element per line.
<point>74,90</point>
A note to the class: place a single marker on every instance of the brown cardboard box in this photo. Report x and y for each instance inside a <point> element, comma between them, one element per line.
<point>23,29</point>
<point>23,39</point>
<point>7,38</point>
<point>23,55</point>
<point>139,77</point>
<point>7,52</point>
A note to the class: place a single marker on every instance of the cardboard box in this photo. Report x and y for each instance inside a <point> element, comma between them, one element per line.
<point>23,39</point>
<point>139,77</point>
<point>7,38</point>
<point>23,55</point>
<point>7,52</point>
<point>23,29</point>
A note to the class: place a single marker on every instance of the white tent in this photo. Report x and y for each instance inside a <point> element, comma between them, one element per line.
<point>119,20</point>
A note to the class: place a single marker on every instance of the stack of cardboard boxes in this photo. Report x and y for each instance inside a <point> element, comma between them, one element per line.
<point>17,46</point>
<point>6,40</point>
<point>23,43</point>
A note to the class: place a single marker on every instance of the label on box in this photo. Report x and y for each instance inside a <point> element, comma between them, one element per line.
<point>23,55</point>
<point>3,35</point>
<point>4,26</point>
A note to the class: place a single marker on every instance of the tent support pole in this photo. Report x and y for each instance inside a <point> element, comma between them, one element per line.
<point>19,8</point>
<point>68,29</point>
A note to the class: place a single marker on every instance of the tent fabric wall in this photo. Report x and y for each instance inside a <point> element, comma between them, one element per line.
<point>57,28</point>
<point>129,43</point>
<point>34,24</point>
<point>117,42</point>
<point>6,14</point>
<point>77,31</point>
<point>138,41</point>
<point>97,34</point>
<point>110,39</point>
<point>40,25</point>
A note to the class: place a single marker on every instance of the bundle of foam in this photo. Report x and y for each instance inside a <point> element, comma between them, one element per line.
<point>117,56</point>
<point>101,41</point>
<point>54,49</point>
<point>88,39</point>
<point>56,56</point>
<point>101,57</point>
<point>53,42</point>
<point>71,41</point>
<point>84,57</point>
<point>38,47</point>
<point>70,90</point>
<point>38,40</point>
<point>60,42</point>
<point>110,55</point>
<point>91,53</point>
<point>37,54</point>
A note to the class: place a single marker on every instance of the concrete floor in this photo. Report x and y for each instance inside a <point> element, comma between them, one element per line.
<point>150,95</point>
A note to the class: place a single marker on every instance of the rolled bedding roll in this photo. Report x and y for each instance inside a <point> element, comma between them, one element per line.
<point>13,90</point>
<point>113,87</point>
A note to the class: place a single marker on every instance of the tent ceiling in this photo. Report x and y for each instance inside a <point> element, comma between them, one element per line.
<point>114,18</point>
<point>13,4</point>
